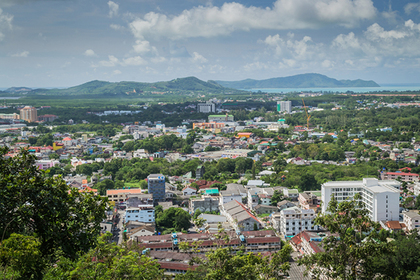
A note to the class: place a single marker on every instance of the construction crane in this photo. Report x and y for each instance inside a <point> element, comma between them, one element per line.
<point>307,115</point>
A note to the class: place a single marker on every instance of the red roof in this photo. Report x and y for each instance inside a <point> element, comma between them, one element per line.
<point>316,248</point>
<point>402,174</point>
<point>177,265</point>
<point>67,139</point>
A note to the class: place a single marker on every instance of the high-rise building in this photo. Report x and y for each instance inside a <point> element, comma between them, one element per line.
<point>28,114</point>
<point>380,198</point>
<point>156,186</point>
<point>284,106</point>
<point>207,107</point>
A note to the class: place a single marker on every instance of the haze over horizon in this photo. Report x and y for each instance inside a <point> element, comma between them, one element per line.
<point>63,43</point>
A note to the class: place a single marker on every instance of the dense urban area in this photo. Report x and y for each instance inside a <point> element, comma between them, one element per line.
<point>255,186</point>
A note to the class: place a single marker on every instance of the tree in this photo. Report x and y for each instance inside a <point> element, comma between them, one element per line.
<point>53,156</point>
<point>175,218</point>
<point>350,251</point>
<point>104,185</point>
<point>277,197</point>
<point>61,217</point>
<point>223,264</point>
<point>107,261</point>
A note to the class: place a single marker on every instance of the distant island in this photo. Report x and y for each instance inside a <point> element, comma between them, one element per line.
<point>311,80</point>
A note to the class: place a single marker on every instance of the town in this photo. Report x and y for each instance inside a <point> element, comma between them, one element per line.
<point>172,191</point>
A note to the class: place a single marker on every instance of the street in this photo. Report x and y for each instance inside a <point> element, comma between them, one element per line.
<point>296,272</point>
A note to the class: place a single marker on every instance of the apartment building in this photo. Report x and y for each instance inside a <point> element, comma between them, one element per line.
<point>120,195</point>
<point>28,114</point>
<point>143,213</point>
<point>294,220</point>
<point>207,107</point>
<point>405,176</point>
<point>284,106</point>
<point>380,198</point>
<point>156,186</point>
<point>411,219</point>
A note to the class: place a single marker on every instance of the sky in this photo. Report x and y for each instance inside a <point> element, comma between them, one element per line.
<point>62,43</point>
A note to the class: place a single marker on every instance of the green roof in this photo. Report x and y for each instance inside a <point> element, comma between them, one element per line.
<point>212,191</point>
<point>219,116</point>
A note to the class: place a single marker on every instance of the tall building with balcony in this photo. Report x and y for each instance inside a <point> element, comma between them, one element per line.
<point>207,107</point>
<point>28,114</point>
<point>380,198</point>
<point>156,186</point>
<point>284,106</point>
<point>294,220</point>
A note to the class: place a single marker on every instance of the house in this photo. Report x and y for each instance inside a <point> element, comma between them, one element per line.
<point>239,216</point>
<point>265,209</point>
<point>404,176</point>
<point>293,194</point>
<point>205,204</point>
<point>228,196</point>
<point>199,173</point>
<point>189,191</point>
<point>285,204</point>
<point>120,195</point>
<point>307,200</point>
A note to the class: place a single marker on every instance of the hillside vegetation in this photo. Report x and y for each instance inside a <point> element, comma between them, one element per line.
<point>298,81</point>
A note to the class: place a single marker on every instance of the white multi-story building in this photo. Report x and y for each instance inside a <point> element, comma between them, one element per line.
<point>294,220</point>
<point>207,107</point>
<point>380,198</point>
<point>284,106</point>
<point>143,213</point>
<point>411,220</point>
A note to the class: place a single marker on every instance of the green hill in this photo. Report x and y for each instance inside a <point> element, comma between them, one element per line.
<point>298,81</point>
<point>176,86</point>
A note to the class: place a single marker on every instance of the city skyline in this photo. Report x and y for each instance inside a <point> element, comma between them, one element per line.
<point>61,43</point>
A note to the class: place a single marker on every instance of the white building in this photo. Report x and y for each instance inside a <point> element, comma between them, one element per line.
<point>207,107</point>
<point>381,198</point>
<point>294,220</point>
<point>284,106</point>
<point>411,219</point>
<point>228,196</point>
<point>143,213</point>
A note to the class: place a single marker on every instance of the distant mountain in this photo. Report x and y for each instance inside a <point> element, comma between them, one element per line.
<point>134,88</point>
<point>18,89</point>
<point>298,81</point>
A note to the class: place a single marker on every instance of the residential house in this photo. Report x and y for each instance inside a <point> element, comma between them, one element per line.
<point>228,196</point>
<point>205,203</point>
<point>412,220</point>
<point>294,220</point>
<point>239,216</point>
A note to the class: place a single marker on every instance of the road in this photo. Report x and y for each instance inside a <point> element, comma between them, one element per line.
<point>119,229</point>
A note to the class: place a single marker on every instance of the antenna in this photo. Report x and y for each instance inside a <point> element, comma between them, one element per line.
<point>307,116</point>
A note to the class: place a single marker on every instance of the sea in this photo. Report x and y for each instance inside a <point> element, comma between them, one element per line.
<point>382,88</point>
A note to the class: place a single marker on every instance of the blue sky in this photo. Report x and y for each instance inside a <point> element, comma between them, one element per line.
<point>60,43</point>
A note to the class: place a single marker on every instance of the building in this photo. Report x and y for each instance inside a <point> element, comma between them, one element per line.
<point>47,118</point>
<point>199,173</point>
<point>28,114</point>
<point>207,107</point>
<point>144,214</point>
<point>411,219</point>
<point>221,118</point>
<point>294,220</point>
<point>210,126</point>
<point>46,164</point>
<point>156,186</point>
<point>120,195</point>
<point>205,204</point>
<point>229,195</point>
<point>284,106</point>
<point>13,116</point>
<point>406,177</point>
<point>239,216</point>
<point>307,200</point>
<point>381,198</point>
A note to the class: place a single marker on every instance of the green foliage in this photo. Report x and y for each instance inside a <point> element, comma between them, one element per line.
<point>107,261</point>
<point>350,252</point>
<point>223,264</point>
<point>105,185</point>
<point>61,218</point>
<point>276,198</point>
<point>175,218</point>
<point>22,254</point>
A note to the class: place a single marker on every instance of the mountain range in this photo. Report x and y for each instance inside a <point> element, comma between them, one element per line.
<point>311,80</point>
<point>193,84</point>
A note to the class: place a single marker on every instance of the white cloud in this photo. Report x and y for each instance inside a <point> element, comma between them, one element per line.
<point>117,27</point>
<point>21,54</point>
<point>89,53</point>
<point>142,46</point>
<point>198,58</point>
<point>376,32</point>
<point>327,63</point>
<point>134,61</point>
<point>346,41</point>
<point>111,62</point>
<point>116,72</point>
<point>411,6</point>
<point>210,21</point>
<point>413,26</point>
<point>113,8</point>
<point>5,23</point>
